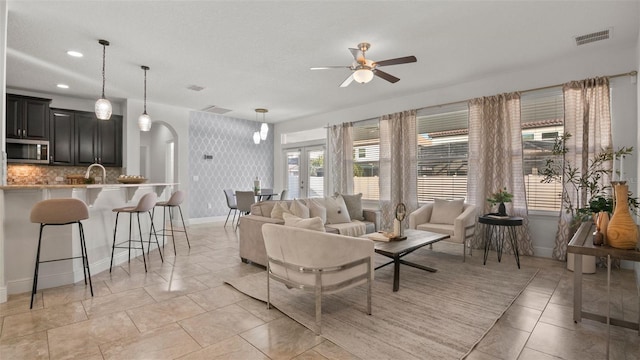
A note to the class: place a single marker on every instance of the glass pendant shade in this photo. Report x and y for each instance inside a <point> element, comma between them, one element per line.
<point>363,76</point>
<point>103,109</point>
<point>144,122</point>
<point>256,137</point>
<point>264,131</point>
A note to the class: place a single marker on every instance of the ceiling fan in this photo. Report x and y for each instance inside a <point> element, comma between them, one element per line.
<point>364,69</point>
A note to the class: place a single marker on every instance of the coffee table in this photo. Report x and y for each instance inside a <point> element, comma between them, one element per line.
<point>396,250</point>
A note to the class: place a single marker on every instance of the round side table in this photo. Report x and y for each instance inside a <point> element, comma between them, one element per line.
<point>500,228</point>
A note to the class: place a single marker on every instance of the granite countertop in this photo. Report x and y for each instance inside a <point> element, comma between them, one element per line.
<point>76,186</point>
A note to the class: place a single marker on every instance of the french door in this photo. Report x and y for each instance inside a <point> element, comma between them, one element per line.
<point>305,172</point>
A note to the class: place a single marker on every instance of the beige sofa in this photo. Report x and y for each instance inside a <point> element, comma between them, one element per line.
<point>251,241</point>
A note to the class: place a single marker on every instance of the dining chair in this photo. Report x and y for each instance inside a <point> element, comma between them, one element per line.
<point>244,201</point>
<point>232,204</point>
<point>283,195</point>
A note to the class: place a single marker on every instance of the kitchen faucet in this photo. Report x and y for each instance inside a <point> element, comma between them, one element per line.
<point>104,172</point>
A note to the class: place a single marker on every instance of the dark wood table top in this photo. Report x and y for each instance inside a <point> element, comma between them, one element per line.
<point>415,239</point>
<point>501,221</point>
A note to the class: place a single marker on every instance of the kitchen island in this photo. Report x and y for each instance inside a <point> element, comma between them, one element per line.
<point>20,236</point>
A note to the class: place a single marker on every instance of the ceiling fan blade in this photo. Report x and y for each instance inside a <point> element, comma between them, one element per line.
<point>402,60</point>
<point>390,78</point>
<point>329,67</point>
<point>347,81</point>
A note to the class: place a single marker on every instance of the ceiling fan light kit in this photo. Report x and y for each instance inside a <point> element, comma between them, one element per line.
<point>103,107</point>
<point>363,69</point>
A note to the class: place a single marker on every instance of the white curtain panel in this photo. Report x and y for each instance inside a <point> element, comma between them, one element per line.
<point>495,160</point>
<point>587,117</point>
<point>341,158</point>
<point>398,165</point>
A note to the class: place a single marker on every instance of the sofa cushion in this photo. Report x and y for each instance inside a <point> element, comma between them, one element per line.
<point>446,211</point>
<point>354,206</point>
<point>314,223</point>
<point>337,212</point>
<point>317,210</point>
<point>278,209</point>
<point>299,209</point>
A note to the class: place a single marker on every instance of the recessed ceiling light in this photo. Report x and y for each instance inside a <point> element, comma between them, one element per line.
<point>63,86</point>
<point>74,53</point>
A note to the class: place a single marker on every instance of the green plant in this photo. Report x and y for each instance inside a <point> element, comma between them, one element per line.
<point>500,196</point>
<point>590,192</point>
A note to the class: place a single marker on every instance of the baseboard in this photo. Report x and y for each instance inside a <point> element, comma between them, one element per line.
<point>544,252</point>
<point>3,294</point>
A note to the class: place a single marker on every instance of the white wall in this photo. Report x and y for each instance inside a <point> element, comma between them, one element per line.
<point>3,132</point>
<point>610,61</point>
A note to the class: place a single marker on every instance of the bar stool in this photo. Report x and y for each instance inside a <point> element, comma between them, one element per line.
<point>60,212</point>
<point>146,204</point>
<point>174,201</point>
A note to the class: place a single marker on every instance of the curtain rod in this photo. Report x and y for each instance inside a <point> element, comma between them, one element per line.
<point>630,73</point>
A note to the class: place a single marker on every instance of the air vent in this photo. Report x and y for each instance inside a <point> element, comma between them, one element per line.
<point>593,37</point>
<point>195,87</point>
<point>216,110</point>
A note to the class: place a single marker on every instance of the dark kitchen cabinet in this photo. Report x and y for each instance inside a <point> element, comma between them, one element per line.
<point>27,117</point>
<point>62,139</point>
<point>98,141</point>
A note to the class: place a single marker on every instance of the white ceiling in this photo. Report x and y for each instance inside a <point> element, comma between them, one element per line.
<point>258,54</point>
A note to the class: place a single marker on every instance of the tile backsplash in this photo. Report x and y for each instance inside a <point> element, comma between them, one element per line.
<point>26,174</point>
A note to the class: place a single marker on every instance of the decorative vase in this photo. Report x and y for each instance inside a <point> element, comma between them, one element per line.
<point>602,224</point>
<point>622,231</point>
<point>502,210</point>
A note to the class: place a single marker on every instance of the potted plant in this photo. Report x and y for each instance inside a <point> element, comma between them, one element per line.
<point>500,197</point>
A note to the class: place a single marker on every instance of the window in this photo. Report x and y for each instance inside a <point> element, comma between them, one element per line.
<point>443,147</point>
<point>542,114</point>
<point>366,159</point>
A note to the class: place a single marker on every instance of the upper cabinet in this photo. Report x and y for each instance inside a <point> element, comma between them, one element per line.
<point>62,137</point>
<point>27,117</point>
<point>98,141</point>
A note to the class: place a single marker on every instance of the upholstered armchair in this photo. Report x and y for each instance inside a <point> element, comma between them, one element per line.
<point>453,217</point>
<point>317,261</point>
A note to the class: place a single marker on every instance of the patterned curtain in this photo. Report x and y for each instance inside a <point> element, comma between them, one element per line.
<point>495,159</point>
<point>398,165</point>
<point>341,158</point>
<point>587,117</point>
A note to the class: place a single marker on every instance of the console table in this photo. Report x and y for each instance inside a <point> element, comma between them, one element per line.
<point>582,244</point>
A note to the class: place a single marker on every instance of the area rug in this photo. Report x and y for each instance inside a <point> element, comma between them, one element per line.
<point>440,315</point>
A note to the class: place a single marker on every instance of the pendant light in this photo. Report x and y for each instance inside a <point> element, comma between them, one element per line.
<point>256,137</point>
<point>264,128</point>
<point>144,121</point>
<point>103,106</point>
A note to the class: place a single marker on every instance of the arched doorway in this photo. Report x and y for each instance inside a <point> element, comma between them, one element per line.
<point>158,153</point>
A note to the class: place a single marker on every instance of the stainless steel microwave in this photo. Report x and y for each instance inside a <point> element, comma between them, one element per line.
<point>27,151</point>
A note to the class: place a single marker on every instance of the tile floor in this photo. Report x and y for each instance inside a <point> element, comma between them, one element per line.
<point>181,309</point>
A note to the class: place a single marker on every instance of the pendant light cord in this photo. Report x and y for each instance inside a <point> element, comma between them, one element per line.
<point>104,50</point>
<point>145,90</point>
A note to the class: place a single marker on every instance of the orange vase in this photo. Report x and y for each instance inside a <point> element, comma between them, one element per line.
<point>603,224</point>
<point>622,231</point>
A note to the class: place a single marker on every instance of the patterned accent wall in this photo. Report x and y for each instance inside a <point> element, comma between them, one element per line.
<point>234,164</point>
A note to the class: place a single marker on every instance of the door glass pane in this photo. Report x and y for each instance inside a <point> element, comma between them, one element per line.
<point>293,174</point>
<point>315,161</point>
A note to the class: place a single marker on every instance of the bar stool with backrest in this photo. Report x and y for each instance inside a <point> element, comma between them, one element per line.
<point>231,203</point>
<point>174,202</point>
<point>60,212</point>
<point>245,199</point>
<point>146,204</point>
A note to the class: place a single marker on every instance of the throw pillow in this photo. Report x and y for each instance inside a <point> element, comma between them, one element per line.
<point>354,206</point>
<point>446,211</point>
<point>314,223</point>
<point>317,210</point>
<point>299,209</point>
<point>280,208</point>
<point>337,212</point>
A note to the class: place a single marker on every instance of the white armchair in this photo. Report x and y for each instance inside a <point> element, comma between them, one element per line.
<point>460,226</point>
<point>317,261</point>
